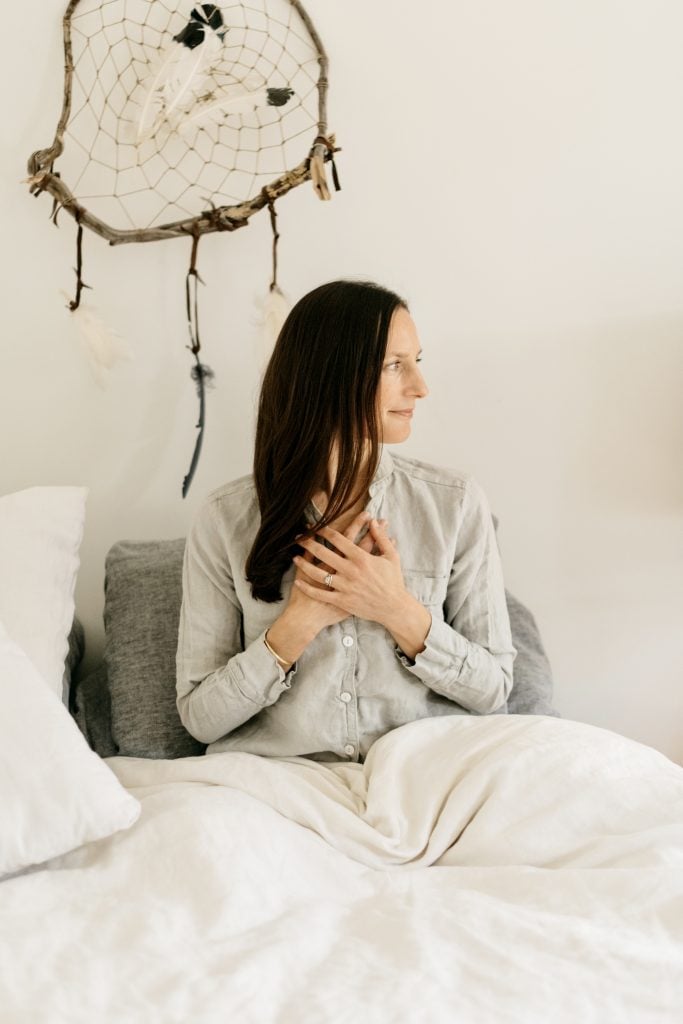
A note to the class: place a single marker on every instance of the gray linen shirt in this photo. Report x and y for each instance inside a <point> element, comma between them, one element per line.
<point>352,684</point>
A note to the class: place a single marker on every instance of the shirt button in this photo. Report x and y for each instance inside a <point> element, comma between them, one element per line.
<point>347,641</point>
<point>346,697</point>
<point>349,748</point>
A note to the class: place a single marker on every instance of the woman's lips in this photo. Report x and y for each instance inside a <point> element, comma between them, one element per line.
<point>406,413</point>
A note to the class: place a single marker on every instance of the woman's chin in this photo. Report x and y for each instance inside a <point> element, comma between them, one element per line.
<point>394,433</point>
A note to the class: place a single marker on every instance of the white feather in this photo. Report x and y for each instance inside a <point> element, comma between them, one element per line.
<point>176,82</point>
<point>192,73</point>
<point>152,103</point>
<point>218,106</point>
<point>274,311</point>
<point>102,345</point>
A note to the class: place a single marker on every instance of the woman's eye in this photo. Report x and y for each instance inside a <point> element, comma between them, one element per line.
<point>397,363</point>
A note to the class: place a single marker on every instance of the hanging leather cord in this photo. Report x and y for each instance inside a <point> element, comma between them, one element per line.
<point>201,374</point>
<point>276,238</point>
<point>78,269</point>
<point>191,300</point>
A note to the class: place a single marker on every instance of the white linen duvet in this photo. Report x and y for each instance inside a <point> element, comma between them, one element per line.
<point>493,870</point>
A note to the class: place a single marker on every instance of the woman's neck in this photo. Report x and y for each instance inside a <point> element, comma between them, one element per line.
<point>321,497</point>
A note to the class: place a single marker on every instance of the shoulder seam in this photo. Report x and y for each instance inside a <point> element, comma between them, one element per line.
<point>432,474</point>
<point>245,483</point>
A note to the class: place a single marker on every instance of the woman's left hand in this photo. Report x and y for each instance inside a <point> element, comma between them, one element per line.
<point>368,586</point>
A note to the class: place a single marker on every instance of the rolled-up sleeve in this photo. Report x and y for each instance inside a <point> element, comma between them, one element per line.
<point>219,683</point>
<point>468,656</point>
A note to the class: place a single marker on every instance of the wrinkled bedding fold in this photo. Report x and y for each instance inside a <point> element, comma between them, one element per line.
<point>506,869</point>
<point>520,790</point>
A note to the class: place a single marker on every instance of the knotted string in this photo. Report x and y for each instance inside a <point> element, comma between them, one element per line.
<point>331,150</point>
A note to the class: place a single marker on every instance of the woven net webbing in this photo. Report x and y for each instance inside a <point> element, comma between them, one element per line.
<point>180,172</point>
<point>142,155</point>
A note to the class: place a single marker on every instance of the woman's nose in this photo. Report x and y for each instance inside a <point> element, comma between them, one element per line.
<point>418,385</point>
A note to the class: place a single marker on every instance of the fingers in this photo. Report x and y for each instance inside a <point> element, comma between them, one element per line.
<point>368,541</point>
<point>354,528</point>
<point>375,541</point>
<point>345,546</point>
<point>326,555</point>
<point>316,573</point>
<point>385,543</point>
<point>323,594</point>
<point>351,532</point>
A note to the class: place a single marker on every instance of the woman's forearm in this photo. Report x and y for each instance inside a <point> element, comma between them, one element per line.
<point>289,636</point>
<point>229,695</point>
<point>409,623</point>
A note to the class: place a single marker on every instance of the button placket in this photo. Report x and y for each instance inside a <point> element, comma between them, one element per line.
<point>348,690</point>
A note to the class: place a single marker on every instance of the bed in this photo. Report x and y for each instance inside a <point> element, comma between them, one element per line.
<point>511,868</point>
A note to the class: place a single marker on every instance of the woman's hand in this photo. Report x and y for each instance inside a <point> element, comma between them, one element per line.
<point>362,584</point>
<point>366,585</point>
<point>328,614</point>
<point>304,617</point>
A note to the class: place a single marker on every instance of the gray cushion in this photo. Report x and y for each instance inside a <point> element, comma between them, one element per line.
<point>73,657</point>
<point>532,687</point>
<point>91,707</point>
<point>143,590</point>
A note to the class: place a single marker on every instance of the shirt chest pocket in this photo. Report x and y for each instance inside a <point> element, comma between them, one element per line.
<point>429,589</point>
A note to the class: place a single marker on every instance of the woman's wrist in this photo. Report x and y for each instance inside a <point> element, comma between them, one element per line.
<point>409,623</point>
<point>282,662</point>
<point>289,636</point>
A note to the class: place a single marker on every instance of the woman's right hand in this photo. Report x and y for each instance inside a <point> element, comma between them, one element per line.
<point>330,614</point>
<point>303,617</point>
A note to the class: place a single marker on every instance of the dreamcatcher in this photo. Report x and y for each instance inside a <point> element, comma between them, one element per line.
<point>179,120</point>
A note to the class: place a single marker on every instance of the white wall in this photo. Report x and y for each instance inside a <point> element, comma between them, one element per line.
<point>517,171</point>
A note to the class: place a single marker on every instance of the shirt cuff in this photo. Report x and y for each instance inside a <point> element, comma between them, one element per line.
<point>444,654</point>
<point>257,663</point>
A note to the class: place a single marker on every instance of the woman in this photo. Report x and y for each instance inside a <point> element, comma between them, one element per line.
<point>341,591</point>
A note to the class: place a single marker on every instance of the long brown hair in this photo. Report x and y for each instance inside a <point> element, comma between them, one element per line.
<point>320,386</point>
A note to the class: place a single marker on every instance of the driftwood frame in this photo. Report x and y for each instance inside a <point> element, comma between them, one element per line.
<point>223,218</point>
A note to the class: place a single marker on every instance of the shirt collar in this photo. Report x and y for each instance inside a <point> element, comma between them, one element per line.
<point>385,468</point>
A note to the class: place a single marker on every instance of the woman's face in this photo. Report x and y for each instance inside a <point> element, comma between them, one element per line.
<point>402,382</point>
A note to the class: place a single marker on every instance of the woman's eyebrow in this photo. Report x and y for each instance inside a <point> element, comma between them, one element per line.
<point>402,355</point>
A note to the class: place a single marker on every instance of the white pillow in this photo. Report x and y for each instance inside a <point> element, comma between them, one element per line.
<point>55,792</point>
<point>40,533</point>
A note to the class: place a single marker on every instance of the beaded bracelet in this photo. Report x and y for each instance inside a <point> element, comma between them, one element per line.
<point>281,661</point>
